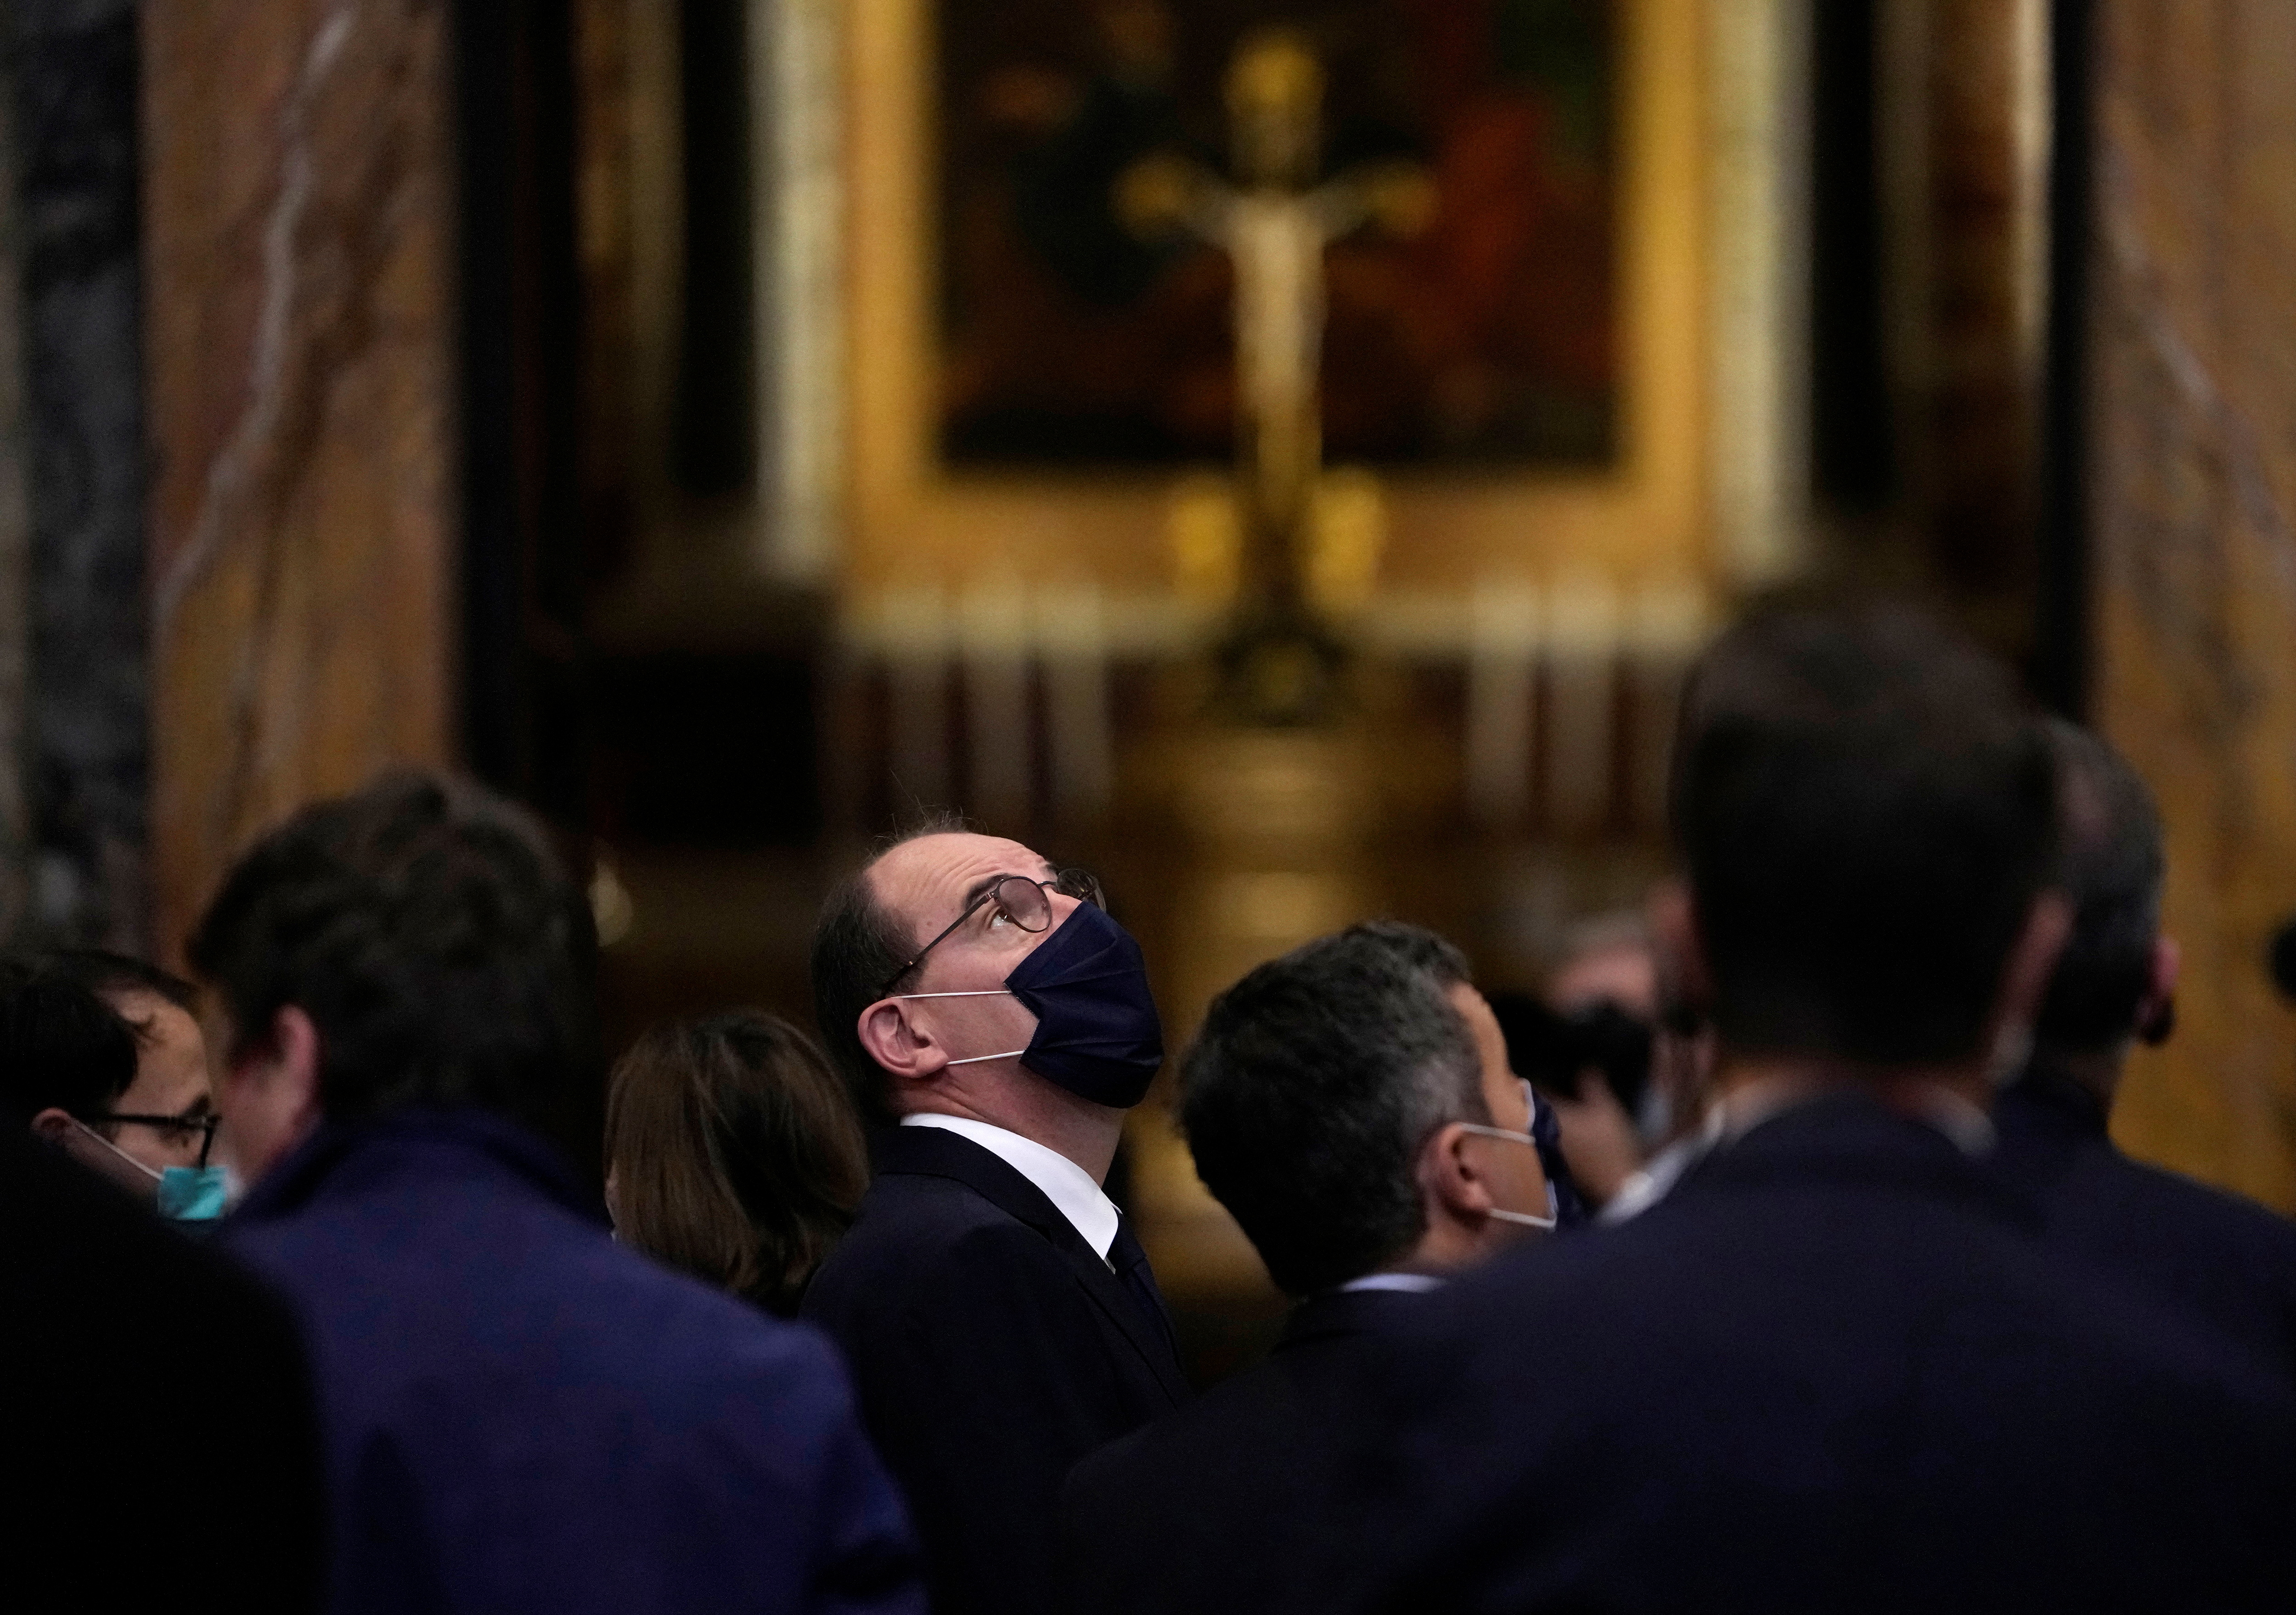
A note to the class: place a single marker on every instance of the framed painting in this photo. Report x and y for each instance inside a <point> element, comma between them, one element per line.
<point>1584,359</point>
<point>1484,337</point>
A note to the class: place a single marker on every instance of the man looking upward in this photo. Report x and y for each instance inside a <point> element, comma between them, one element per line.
<point>1000,1319</point>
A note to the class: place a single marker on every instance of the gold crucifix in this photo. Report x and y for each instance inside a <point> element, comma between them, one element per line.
<point>1274,226</point>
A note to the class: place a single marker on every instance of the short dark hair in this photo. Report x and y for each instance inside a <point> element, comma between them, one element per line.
<point>2110,863</point>
<point>100,971</point>
<point>1866,812</point>
<point>857,944</point>
<point>430,931</point>
<point>62,1046</point>
<point>736,1152</point>
<point>107,975</point>
<point>1314,1083</point>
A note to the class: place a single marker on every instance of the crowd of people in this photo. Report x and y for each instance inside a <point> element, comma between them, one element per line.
<point>1777,1257</point>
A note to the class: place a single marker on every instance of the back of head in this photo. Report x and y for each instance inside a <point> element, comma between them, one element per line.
<point>2111,864</point>
<point>62,1046</point>
<point>736,1153</point>
<point>1312,1085</point>
<point>430,932</point>
<point>1867,815</point>
<point>857,944</point>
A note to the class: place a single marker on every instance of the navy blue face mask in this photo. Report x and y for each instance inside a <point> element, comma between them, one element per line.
<point>1098,1033</point>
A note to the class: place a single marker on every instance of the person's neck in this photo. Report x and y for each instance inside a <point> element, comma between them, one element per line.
<point>1445,1249</point>
<point>1747,1088</point>
<point>1084,1132</point>
<point>2095,1072</point>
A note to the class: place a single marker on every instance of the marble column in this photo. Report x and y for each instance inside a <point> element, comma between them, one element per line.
<point>2192,469</point>
<point>72,87</point>
<point>1962,93</point>
<point>15,528</point>
<point>299,240</point>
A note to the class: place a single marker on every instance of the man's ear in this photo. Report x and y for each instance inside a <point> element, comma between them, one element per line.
<point>268,1092</point>
<point>895,1041</point>
<point>1684,981</point>
<point>2156,1011</point>
<point>52,1124</point>
<point>286,1062</point>
<point>2032,961</point>
<point>1448,1179</point>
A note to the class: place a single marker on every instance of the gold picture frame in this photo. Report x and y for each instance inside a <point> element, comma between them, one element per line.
<point>1705,488</point>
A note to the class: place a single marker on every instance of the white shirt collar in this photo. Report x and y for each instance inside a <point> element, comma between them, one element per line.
<point>1410,1283</point>
<point>1964,1124</point>
<point>1656,1180</point>
<point>1068,1185</point>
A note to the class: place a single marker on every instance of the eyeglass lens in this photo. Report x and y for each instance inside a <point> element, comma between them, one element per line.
<point>175,1126</point>
<point>1023,900</point>
<point>1020,900</point>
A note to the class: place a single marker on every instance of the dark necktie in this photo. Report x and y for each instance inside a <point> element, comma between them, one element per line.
<point>1131,1264</point>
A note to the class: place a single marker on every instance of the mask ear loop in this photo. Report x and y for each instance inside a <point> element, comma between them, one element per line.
<point>986,992</point>
<point>116,1150</point>
<point>1525,1218</point>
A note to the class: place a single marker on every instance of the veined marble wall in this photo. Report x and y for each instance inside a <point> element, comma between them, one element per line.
<point>299,240</point>
<point>2193,490</point>
<point>78,607</point>
<point>15,527</point>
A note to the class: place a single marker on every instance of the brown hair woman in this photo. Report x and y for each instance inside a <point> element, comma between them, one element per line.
<point>733,1153</point>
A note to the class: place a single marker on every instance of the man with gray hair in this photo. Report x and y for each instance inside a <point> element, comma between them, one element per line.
<point>2226,1259</point>
<point>1835,1369</point>
<point>1351,1103</point>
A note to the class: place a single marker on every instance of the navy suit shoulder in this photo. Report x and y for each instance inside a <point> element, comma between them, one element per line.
<point>137,1360</point>
<point>2230,1260</point>
<point>1837,1369</point>
<point>522,1415</point>
<point>1208,1509</point>
<point>992,1349</point>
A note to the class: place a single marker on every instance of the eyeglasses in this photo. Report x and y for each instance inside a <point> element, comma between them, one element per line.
<point>175,1126</point>
<point>1017,898</point>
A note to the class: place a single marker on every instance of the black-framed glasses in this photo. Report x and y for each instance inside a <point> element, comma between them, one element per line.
<point>175,1126</point>
<point>1020,900</point>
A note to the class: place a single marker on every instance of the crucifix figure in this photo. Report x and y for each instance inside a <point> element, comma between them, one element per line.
<point>1274,226</point>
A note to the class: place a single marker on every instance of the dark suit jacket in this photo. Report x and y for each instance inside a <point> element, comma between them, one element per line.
<point>1210,1508</point>
<point>993,1348</point>
<point>156,1414</point>
<point>522,1415</point>
<point>2229,1259</point>
<point>1836,1370</point>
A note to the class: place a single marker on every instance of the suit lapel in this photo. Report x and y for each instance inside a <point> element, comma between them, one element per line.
<point>936,1152</point>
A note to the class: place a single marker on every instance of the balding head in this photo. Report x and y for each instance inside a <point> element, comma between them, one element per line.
<point>878,920</point>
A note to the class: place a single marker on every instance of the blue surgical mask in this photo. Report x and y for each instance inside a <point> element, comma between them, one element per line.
<point>194,1194</point>
<point>182,1194</point>
<point>1098,1033</point>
